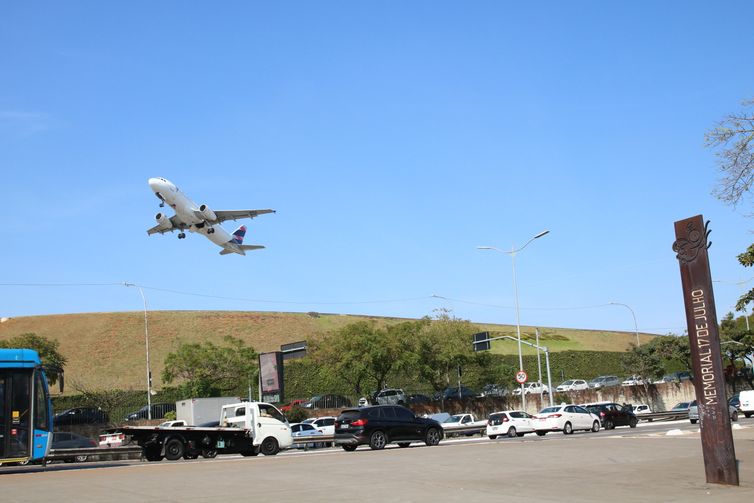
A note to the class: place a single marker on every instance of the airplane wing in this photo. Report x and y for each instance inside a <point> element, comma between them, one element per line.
<point>224,215</point>
<point>177,224</point>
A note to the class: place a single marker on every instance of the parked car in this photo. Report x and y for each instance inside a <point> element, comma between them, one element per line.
<point>604,382</point>
<point>735,401</point>
<point>493,390</point>
<point>694,412</point>
<point>173,424</point>
<point>327,402</point>
<point>68,440</point>
<point>681,407</point>
<point>462,422</point>
<point>158,411</point>
<point>80,415</point>
<point>632,381</point>
<point>642,408</point>
<point>565,418</point>
<point>391,397</point>
<point>306,430</point>
<point>677,377</point>
<point>509,422</point>
<point>613,414</point>
<point>419,398</point>
<point>325,424</point>
<point>380,425</point>
<point>294,403</point>
<point>572,385</point>
<point>457,393</point>
<point>746,399</point>
<point>532,388</point>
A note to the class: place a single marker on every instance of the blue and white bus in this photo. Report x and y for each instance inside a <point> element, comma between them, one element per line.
<point>25,407</point>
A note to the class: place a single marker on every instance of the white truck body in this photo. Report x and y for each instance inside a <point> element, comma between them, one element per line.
<point>196,411</point>
<point>261,419</point>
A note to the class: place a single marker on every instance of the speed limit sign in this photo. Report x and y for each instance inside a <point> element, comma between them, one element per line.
<point>521,377</point>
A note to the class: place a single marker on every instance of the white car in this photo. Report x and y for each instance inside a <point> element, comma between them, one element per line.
<point>565,418</point>
<point>532,388</point>
<point>306,430</point>
<point>632,381</point>
<point>642,408</point>
<point>572,385</point>
<point>509,422</point>
<point>326,425</point>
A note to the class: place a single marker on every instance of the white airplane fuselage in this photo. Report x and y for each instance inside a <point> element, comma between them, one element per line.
<point>186,209</point>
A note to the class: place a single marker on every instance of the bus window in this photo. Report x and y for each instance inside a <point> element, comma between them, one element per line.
<point>41,413</point>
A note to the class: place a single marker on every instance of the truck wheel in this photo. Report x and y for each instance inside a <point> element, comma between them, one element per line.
<point>377,441</point>
<point>269,446</point>
<point>152,453</point>
<point>174,449</point>
<point>209,453</point>
<point>433,437</point>
<point>747,414</point>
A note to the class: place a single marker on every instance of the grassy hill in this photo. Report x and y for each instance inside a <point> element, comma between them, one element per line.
<point>106,350</point>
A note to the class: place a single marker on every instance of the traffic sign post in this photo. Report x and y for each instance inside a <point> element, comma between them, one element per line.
<point>521,377</point>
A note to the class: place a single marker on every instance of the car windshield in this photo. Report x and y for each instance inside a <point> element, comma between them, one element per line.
<point>453,419</point>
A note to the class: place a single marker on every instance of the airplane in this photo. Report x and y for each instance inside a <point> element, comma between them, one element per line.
<point>200,219</point>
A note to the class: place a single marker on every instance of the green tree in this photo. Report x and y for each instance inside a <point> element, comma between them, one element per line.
<point>733,137</point>
<point>51,357</point>
<point>645,362</point>
<point>736,343</point>
<point>443,346</point>
<point>206,369</point>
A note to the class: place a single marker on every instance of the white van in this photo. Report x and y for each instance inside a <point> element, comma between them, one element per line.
<point>747,402</point>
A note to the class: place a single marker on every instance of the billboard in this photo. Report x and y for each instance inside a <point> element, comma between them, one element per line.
<point>271,376</point>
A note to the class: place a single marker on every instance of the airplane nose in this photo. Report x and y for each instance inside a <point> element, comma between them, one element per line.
<point>154,183</point>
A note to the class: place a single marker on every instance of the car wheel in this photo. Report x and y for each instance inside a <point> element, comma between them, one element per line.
<point>404,444</point>
<point>633,423</point>
<point>541,433</point>
<point>349,448</point>
<point>747,414</point>
<point>734,417</point>
<point>609,425</point>
<point>693,421</point>
<point>269,446</point>
<point>568,429</point>
<point>511,432</point>
<point>377,441</point>
<point>493,437</point>
<point>174,449</point>
<point>596,426</point>
<point>432,437</point>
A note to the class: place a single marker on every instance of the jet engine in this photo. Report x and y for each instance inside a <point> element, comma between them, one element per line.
<point>207,213</point>
<point>163,222</point>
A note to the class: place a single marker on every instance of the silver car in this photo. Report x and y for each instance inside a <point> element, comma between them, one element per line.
<point>694,412</point>
<point>391,397</point>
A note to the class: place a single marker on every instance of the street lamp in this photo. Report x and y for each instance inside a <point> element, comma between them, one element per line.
<point>741,285</point>
<point>512,254</point>
<point>636,328</point>
<point>146,339</point>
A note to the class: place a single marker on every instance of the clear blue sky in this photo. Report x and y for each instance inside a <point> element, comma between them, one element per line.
<point>391,137</point>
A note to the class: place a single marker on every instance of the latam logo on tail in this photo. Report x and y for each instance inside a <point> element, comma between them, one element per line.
<point>200,219</point>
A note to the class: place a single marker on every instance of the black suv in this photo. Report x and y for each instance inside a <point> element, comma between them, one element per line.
<point>613,414</point>
<point>380,425</point>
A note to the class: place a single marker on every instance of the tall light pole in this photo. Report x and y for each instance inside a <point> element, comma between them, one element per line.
<point>743,290</point>
<point>512,254</point>
<point>146,340</point>
<point>636,327</point>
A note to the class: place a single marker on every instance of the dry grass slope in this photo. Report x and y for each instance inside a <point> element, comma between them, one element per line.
<point>106,350</point>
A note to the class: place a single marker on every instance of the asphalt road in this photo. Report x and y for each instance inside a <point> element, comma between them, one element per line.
<point>642,464</point>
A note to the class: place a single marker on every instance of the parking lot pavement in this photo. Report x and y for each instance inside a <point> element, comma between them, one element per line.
<point>581,467</point>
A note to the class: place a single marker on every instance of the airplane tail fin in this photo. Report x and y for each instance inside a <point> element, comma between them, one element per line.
<point>239,234</point>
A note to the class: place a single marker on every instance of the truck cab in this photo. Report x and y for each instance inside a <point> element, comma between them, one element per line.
<point>269,427</point>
